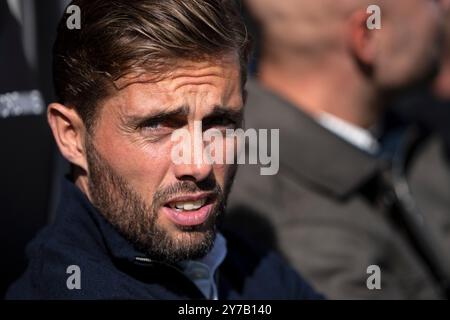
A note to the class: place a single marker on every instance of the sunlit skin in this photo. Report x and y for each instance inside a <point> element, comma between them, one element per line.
<point>134,126</point>
<point>342,67</point>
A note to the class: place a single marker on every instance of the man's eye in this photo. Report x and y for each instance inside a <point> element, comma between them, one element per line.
<point>155,128</point>
<point>152,126</point>
<point>160,125</point>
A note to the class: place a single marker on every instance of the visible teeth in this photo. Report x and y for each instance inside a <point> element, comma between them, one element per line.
<point>188,205</point>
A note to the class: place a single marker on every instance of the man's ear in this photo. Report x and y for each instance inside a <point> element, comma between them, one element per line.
<point>362,40</point>
<point>69,132</point>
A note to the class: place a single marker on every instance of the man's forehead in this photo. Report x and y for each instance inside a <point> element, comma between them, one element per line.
<point>207,85</point>
<point>222,67</point>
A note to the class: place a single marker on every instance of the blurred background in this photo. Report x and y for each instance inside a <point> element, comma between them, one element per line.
<point>28,159</point>
<point>30,164</point>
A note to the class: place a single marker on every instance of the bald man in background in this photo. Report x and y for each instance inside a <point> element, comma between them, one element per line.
<point>442,82</point>
<point>430,106</point>
<point>361,209</point>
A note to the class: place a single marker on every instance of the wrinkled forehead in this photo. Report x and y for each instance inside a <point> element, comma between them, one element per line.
<point>191,85</point>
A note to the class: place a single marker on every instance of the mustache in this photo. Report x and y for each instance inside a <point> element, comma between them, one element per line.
<point>163,195</point>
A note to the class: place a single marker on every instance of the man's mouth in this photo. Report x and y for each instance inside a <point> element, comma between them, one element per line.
<point>187,205</point>
<point>190,210</point>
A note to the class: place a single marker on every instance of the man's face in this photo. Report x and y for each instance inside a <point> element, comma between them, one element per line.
<point>411,42</point>
<point>167,210</point>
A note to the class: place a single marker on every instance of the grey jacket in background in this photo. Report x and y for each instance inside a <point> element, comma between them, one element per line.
<point>333,210</point>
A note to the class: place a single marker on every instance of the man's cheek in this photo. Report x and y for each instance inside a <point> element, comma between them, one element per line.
<point>223,173</point>
<point>146,165</point>
<point>145,179</point>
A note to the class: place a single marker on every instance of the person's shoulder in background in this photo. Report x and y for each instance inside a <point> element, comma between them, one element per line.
<point>252,270</point>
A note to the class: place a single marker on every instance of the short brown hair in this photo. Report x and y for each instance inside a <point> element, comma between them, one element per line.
<point>119,37</point>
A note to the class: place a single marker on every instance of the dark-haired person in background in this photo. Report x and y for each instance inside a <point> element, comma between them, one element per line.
<point>131,222</point>
<point>348,206</point>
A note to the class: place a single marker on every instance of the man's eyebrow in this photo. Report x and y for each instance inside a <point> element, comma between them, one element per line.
<point>157,116</point>
<point>235,114</point>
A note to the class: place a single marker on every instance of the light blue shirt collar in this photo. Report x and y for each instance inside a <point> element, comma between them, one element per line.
<point>202,271</point>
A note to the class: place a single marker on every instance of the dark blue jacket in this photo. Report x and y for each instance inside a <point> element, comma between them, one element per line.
<point>109,269</point>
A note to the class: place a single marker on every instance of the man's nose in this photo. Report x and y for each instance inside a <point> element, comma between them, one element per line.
<point>193,171</point>
<point>194,165</point>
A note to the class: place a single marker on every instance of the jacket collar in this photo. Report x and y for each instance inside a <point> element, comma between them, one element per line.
<point>77,214</point>
<point>307,149</point>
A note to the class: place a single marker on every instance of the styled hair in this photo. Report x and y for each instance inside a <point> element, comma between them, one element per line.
<point>122,37</point>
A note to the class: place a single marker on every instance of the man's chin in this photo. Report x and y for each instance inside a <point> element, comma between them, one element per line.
<point>188,243</point>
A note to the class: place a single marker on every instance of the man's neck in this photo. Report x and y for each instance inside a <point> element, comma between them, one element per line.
<point>316,88</point>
